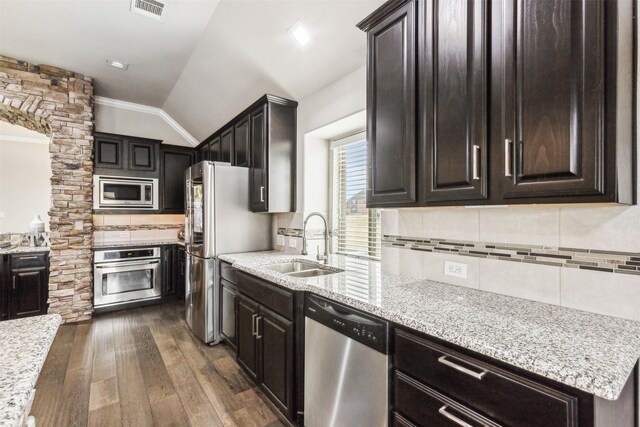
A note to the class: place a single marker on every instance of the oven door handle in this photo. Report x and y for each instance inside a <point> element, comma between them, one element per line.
<point>126,264</point>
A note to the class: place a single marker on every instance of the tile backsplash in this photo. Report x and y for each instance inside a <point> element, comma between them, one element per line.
<point>556,252</point>
<point>136,228</point>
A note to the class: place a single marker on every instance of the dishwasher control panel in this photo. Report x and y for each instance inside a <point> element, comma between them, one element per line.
<point>353,323</point>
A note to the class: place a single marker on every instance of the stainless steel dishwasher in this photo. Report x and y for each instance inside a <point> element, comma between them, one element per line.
<point>346,366</point>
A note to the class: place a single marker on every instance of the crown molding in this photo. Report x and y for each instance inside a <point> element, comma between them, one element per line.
<point>132,106</point>
<point>45,140</point>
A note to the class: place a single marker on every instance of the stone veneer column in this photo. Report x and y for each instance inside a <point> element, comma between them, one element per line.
<point>59,103</point>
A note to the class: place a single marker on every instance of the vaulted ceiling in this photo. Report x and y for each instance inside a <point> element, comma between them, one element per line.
<point>203,63</point>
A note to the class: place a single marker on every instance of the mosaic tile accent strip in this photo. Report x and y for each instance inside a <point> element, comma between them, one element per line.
<point>586,259</point>
<point>129,227</point>
<point>297,232</point>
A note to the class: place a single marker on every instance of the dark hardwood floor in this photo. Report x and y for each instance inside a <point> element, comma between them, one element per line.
<point>142,367</point>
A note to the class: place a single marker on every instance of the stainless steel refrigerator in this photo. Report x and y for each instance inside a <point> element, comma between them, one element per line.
<point>217,221</point>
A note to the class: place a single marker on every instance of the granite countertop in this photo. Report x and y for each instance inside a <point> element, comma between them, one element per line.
<point>23,249</point>
<point>590,352</point>
<point>25,344</point>
<point>137,244</point>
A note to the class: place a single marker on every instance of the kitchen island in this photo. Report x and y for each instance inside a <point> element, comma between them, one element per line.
<point>24,345</point>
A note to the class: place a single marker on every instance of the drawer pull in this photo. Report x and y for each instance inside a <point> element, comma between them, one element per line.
<point>258,336</point>
<point>476,375</point>
<point>28,257</point>
<point>14,283</point>
<point>254,319</point>
<point>443,411</point>
<point>507,157</point>
<point>476,162</point>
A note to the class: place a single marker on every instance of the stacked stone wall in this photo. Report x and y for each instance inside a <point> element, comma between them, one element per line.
<point>59,103</point>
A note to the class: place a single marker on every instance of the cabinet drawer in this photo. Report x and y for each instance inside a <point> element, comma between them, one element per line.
<point>270,296</point>
<point>427,407</point>
<point>227,272</point>
<point>29,260</point>
<point>503,396</point>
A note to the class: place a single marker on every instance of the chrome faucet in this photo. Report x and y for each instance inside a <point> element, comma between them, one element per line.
<point>319,257</point>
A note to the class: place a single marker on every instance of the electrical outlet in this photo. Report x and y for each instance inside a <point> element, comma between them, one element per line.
<point>455,269</point>
<point>280,240</point>
<point>293,243</point>
<point>125,234</point>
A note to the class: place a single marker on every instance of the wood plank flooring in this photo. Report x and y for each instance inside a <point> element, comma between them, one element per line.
<point>142,367</point>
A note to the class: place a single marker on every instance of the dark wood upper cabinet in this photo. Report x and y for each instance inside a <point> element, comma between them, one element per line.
<point>391,107</point>
<point>242,147</point>
<point>204,152</point>
<point>109,151</point>
<point>174,162</point>
<point>226,145</point>
<point>258,172</point>
<point>215,152</point>
<point>452,67</point>
<point>506,102</point>
<point>123,155</point>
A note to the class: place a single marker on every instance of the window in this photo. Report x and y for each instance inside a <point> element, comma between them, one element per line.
<point>356,229</point>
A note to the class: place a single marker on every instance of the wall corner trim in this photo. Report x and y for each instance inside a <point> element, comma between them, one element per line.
<point>140,108</point>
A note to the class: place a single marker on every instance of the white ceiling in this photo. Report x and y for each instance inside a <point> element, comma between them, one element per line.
<point>204,63</point>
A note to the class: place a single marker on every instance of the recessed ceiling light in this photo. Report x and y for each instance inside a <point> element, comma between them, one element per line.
<point>118,64</point>
<point>300,34</point>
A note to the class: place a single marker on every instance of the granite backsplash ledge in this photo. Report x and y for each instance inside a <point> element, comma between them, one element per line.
<point>587,351</point>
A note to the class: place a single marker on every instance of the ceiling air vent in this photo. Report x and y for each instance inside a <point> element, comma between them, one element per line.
<point>149,8</point>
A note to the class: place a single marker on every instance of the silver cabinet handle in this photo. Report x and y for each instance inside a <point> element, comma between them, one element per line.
<point>476,162</point>
<point>476,375</point>
<point>14,283</point>
<point>443,411</point>
<point>254,319</point>
<point>28,257</point>
<point>507,157</point>
<point>258,336</point>
<point>262,193</point>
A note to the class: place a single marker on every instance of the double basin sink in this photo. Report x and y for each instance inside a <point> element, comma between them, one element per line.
<point>303,269</point>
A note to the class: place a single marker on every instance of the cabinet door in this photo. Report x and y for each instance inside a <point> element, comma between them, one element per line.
<point>168,270</point>
<point>182,272</point>
<point>174,164</point>
<point>226,145</point>
<point>258,176</point>
<point>142,155</point>
<point>204,152</point>
<point>228,312</point>
<point>215,154</point>
<point>247,318</point>
<point>28,296</point>
<point>108,151</point>
<point>242,147</point>
<point>275,341</point>
<point>552,95</point>
<point>391,109</point>
<point>453,111</point>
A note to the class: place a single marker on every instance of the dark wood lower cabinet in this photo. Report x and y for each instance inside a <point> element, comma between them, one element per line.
<point>275,348</point>
<point>228,297</point>
<point>28,285</point>
<point>247,310</point>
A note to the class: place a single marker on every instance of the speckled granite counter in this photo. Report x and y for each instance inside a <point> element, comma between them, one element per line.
<point>137,244</point>
<point>23,250</point>
<point>23,350</point>
<point>590,352</point>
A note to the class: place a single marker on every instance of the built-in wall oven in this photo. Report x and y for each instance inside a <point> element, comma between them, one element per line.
<point>125,275</point>
<point>122,193</point>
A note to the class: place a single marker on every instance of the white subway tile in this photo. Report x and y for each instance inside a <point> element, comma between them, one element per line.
<point>433,269</point>
<point>613,228</point>
<point>143,235</point>
<point>390,260</point>
<point>142,219</point>
<point>523,225</point>
<point>612,294</point>
<point>98,220</point>
<point>454,224</point>
<point>116,236</point>
<point>389,221</point>
<point>410,263</point>
<point>98,237</point>
<point>529,281</point>
<point>166,235</point>
<point>410,223</point>
<point>169,219</point>
<point>117,219</point>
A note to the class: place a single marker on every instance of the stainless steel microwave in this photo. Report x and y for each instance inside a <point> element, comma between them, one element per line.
<point>113,192</point>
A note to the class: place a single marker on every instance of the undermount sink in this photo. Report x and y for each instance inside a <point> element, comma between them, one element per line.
<point>303,269</point>
<point>292,267</point>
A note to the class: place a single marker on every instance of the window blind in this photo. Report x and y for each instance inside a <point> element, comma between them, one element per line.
<point>356,229</point>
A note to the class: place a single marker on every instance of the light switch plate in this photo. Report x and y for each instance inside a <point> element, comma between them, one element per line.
<point>280,240</point>
<point>293,243</point>
<point>455,269</point>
